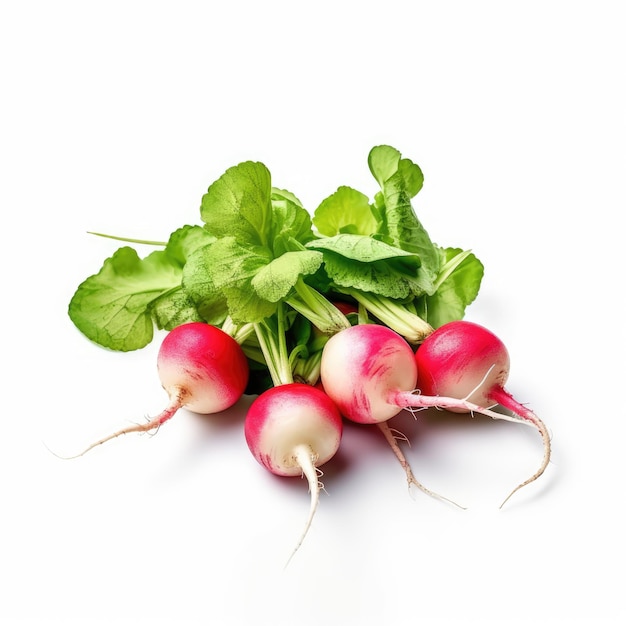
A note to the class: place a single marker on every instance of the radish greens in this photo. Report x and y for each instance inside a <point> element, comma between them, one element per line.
<point>258,249</point>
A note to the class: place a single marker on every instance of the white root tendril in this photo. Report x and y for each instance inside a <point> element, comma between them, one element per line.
<point>151,425</point>
<point>319,475</point>
<point>414,410</point>
<point>400,436</point>
<point>392,441</point>
<point>306,459</point>
<point>546,439</point>
<point>480,384</point>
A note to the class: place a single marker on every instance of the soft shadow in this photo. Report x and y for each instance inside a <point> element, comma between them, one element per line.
<point>211,432</point>
<point>224,421</point>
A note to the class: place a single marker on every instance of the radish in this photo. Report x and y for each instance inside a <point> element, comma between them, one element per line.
<point>467,360</point>
<point>291,430</point>
<point>201,367</point>
<point>371,374</point>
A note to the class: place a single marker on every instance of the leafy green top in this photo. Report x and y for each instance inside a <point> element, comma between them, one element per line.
<point>118,306</point>
<point>259,251</point>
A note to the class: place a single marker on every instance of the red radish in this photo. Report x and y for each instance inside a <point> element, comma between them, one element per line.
<point>467,360</point>
<point>371,374</point>
<point>346,308</point>
<point>291,430</point>
<point>201,368</point>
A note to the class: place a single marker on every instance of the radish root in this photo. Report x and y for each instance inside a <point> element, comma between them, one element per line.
<point>305,458</point>
<point>151,424</point>
<point>505,399</point>
<point>392,441</point>
<point>501,397</point>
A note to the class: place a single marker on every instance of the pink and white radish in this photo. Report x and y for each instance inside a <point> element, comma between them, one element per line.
<point>466,360</point>
<point>371,374</point>
<point>291,430</point>
<point>201,368</point>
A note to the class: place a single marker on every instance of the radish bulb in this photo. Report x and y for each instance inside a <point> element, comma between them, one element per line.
<point>292,430</point>
<point>201,368</point>
<point>466,360</point>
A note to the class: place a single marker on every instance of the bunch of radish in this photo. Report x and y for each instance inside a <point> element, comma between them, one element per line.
<point>352,314</point>
<point>372,373</point>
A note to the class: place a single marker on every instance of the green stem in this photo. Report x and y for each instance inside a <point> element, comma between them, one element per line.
<point>295,357</point>
<point>363,317</point>
<point>273,344</point>
<point>254,353</point>
<point>308,370</point>
<point>322,313</point>
<point>411,326</point>
<point>146,242</point>
<point>239,333</point>
<point>283,355</point>
<point>449,267</point>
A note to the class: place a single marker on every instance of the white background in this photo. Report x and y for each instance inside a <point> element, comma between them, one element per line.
<point>116,116</point>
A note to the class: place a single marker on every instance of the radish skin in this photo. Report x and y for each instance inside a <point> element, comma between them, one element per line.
<point>201,368</point>
<point>291,430</point>
<point>371,374</point>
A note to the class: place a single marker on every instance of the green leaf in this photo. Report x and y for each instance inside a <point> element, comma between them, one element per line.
<point>459,283</point>
<point>186,240</point>
<point>231,266</point>
<point>112,307</point>
<point>118,306</point>
<point>385,161</point>
<point>371,266</point>
<point>363,248</point>
<point>259,253</point>
<point>230,263</point>
<point>208,300</point>
<point>287,196</point>
<point>238,204</point>
<point>377,277</point>
<point>290,223</point>
<point>174,308</point>
<point>245,306</point>
<point>276,279</point>
<point>400,180</point>
<point>345,211</point>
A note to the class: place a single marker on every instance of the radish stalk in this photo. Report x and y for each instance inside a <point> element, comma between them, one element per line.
<point>144,242</point>
<point>274,349</point>
<point>397,317</point>
<point>316,308</point>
